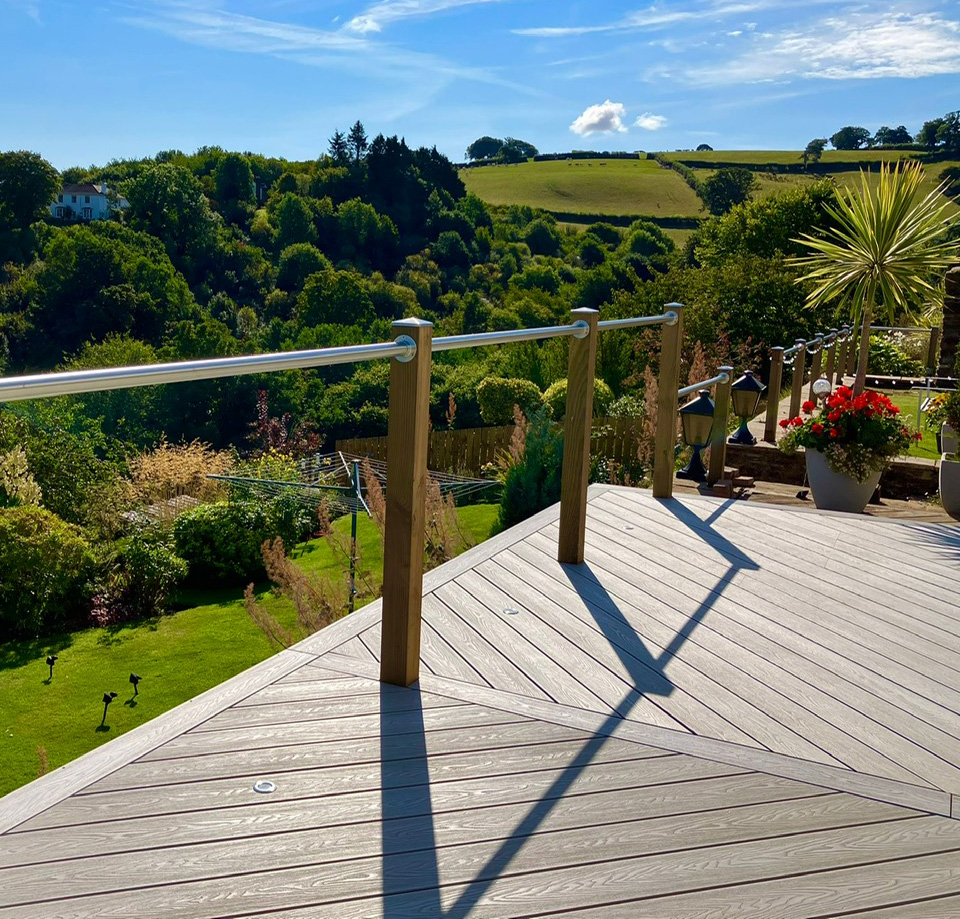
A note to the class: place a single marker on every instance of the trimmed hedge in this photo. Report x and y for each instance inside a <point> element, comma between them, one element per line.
<point>498,395</point>
<point>555,398</point>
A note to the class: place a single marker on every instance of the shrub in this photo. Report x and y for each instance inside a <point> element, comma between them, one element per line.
<point>888,359</point>
<point>221,542</point>
<point>555,398</point>
<point>531,475</point>
<point>498,396</point>
<point>45,564</point>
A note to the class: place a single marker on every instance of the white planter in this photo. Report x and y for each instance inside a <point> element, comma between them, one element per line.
<point>950,485</point>
<point>833,491</point>
<point>948,439</point>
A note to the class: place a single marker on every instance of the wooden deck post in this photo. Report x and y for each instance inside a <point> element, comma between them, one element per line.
<point>773,394</point>
<point>851,368</point>
<point>718,440</point>
<point>815,366</point>
<point>933,350</point>
<point>841,357</point>
<point>407,434</point>
<point>577,429</point>
<point>799,368</point>
<point>665,439</point>
<point>831,357</point>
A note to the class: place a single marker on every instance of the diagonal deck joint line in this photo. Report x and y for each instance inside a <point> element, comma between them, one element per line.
<point>889,791</point>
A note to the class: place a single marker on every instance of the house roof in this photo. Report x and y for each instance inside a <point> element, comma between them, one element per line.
<point>87,188</point>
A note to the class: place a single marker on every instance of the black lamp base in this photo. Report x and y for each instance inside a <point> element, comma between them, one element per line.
<point>695,471</point>
<point>742,435</point>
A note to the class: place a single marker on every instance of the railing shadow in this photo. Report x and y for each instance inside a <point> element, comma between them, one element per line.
<point>411,872</point>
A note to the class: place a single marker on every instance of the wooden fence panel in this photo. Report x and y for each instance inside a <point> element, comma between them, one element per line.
<point>467,451</point>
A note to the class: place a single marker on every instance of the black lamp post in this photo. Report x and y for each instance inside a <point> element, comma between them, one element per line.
<point>745,394</point>
<point>696,419</point>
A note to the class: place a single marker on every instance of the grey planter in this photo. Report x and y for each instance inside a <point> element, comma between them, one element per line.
<point>833,491</point>
<point>950,485</point>
<point>948,439</point>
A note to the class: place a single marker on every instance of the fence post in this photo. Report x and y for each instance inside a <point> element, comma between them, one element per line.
<point>852,352</point>
<point>815,367</point>
<point>718,440</point>
<point>841,356</point>
<point>799,369</point>
<point>665,440</point>
<point>407,433</point>
<point>832,356</point>
<point>934,350</point>
<point>577,429</point>
<point>773,395</point>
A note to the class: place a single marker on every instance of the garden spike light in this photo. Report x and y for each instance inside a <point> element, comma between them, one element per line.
<point>745,394</point>
<point>697,420</point>
<point>134,680</point>
<point>108,697</point>
<point>51,660</point>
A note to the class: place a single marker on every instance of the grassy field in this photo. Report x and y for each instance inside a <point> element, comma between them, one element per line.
<point>907,401</point>
<point>643,187</point>
<point>587,187</point>
<point>178,656</point>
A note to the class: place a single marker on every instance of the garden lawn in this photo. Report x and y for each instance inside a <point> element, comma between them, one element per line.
<point>906,401</point>
<point>178,656</point>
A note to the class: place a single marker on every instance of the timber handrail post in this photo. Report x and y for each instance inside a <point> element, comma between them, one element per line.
<point>407,441</point>
<point>841,356</point>
<point>718,439</point>
<point>815,365</point>
<point>832,355</point>
<point>851,367</point>
<point>799,369</point>
<point>665,439</point>
<point>577,429</point>
<point>773,395</point>
<point>933,350</point>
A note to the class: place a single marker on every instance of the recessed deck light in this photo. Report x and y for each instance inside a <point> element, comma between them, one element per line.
<point>264,787</point>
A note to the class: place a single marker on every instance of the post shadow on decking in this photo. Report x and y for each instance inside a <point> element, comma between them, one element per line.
<point>411,878</point>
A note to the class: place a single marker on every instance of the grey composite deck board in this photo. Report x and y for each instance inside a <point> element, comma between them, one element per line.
<point>795,589</point>
<point>704,671</point>
<point>329,845</point>
<point>729,852</point>
<point>605,556</point>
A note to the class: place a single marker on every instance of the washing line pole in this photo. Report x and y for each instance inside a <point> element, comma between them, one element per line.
<point>355,481</point>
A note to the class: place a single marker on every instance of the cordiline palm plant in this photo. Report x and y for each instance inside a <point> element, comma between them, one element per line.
<point>884,252</point>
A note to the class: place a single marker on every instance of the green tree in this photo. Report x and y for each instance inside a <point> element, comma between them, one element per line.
<point>339,149</point>
<point>727,187</point>
<point>484,148</point>
<point>927,136</point>
<point>888,137</point>
<point>885,251</point>
<point>297,263</point>
<point>338,297</point>
<point>28,185</point>
<point>813,152</point>
<point>851,138</point>
<point>542,237</point>
<point>516,151</point>
<point>948,133</point>
<point>701,148</point>
<point>167,201</point>
<point>293,219</point>
<point>357,141</point>
<point>233,184</point>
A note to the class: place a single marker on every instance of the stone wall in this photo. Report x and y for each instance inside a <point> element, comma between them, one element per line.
<point>906,478</point>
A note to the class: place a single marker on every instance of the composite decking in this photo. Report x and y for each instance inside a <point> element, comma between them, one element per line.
<point>727,711</point>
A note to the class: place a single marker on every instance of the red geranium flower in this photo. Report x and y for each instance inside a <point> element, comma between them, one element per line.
<point>834,432</point>
<point>808,407</point>
<point>784,422</point>
<point>817,428</point>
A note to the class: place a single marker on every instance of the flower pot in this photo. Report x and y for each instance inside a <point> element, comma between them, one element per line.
<point>834,491</point>
<point>950,484</point>
<point>948,439</point>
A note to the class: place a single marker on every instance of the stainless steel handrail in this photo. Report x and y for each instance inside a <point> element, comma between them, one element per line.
<point>693,387</point>
<point>47,385</point>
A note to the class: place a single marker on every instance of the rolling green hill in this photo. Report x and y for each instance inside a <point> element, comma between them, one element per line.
<point>641,187</point>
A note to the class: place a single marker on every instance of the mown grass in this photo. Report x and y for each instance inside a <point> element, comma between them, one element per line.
<point>786,157</point>
<point>178,656</point>
<point>587,187</point>
<point>907,401</point>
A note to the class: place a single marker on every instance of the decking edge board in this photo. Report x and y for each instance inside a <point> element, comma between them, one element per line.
<point>878,788</point>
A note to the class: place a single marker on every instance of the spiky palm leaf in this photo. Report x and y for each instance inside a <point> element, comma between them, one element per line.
<point>885,245</point>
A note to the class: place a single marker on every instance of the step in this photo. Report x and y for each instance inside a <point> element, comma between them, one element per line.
<point>744,481</point>
<point>723,488</point>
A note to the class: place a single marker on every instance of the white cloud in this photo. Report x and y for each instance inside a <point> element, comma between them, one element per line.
<point>380,14</point>
<point>860,46</point>
<point>651,18</point>
<point>605,118</point>
<point>650,122</point>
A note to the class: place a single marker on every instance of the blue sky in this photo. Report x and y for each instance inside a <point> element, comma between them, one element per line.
<point>87,81</point>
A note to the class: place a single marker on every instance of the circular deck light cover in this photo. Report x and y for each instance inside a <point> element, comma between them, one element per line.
<point>264,786</point>
<point>512,612</point>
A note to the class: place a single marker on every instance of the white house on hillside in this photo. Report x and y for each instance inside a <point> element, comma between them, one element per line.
<point>85,202</point>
